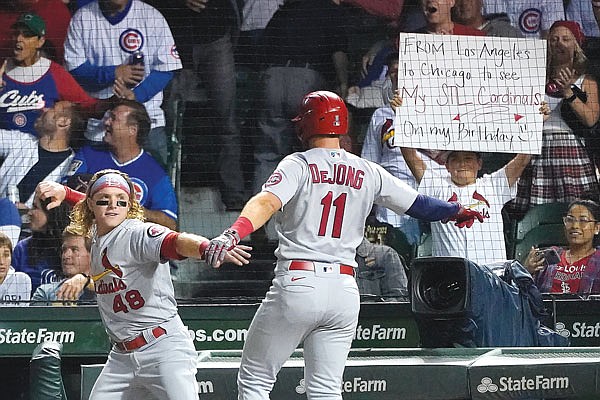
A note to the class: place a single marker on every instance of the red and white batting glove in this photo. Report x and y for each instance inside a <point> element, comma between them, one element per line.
<point>465,217</point>
<point>218,247</point>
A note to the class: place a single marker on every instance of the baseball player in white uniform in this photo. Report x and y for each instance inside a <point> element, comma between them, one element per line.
<point>320,199</point>
<point>153,354</point>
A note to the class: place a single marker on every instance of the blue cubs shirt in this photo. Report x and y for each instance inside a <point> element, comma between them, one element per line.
<point>29,89</point>
<point>152,185</point>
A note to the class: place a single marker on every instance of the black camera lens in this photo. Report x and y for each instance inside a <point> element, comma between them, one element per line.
<point>443,287</point>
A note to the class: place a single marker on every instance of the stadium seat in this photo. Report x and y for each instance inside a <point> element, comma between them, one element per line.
<point>543,214</point>
<point>540,236</point>
<point>540,215</point>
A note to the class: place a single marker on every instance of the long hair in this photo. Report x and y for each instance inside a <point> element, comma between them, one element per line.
<point>580,60</point>
<point>593,207</point>
<point>82,217</point>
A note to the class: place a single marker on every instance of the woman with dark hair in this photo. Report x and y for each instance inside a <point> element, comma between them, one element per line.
<point>564,171</point>
<point>575,268</point>
<point>39,254</point>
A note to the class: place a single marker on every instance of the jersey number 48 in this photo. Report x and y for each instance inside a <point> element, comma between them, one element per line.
<point>133,298</point>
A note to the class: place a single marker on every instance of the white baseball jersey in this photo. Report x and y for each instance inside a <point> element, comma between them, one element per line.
<point>484,241</point>
<point>529,16</point>
<point>378,148</point>
<point>135,292</point>
<point>91,37</point>
<point>20,153</point>
<point>15,288</point>
<point>327,195</point>
<point>583,12</point>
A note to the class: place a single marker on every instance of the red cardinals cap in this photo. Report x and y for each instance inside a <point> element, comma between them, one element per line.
<point>575,29</point>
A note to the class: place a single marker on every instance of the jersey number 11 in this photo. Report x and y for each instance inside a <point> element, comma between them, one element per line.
<point>340,205</point>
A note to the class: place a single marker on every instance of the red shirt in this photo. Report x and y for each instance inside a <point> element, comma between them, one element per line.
<point>466,30</point>
<point>567,277</point>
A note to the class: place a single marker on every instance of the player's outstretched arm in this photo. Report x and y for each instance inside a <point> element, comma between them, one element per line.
<point>194,246</point>
<point>255,214</point>
<point>430,209</point>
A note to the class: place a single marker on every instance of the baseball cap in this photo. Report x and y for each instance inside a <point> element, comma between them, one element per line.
<point>33,22</point>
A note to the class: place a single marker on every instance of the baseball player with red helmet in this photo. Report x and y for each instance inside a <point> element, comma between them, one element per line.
<point>320,199</point>
<point>152,354</point>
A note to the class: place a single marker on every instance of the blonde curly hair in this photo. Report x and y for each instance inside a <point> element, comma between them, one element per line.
<point>82,217</point>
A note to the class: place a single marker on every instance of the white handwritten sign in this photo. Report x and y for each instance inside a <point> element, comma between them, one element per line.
<point>470,93</point>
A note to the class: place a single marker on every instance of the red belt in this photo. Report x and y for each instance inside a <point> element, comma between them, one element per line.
<point>140,341</point>
<point>297,265</point>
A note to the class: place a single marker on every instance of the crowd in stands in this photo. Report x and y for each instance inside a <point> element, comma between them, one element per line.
<point>84,86</point>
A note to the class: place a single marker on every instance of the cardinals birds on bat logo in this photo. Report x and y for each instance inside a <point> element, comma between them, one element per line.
<point>108,268</point>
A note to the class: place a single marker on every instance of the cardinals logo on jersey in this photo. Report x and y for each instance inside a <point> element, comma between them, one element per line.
<point>156,230</point>
<point>274,179</point>
<point>480,204</point>
<point>387,133</point>
<point>108,268</point>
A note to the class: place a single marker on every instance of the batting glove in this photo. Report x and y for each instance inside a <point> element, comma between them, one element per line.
<point>465,217</point>
<point>218,247</point>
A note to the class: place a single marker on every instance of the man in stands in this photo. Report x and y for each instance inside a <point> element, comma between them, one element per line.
<point>127,126</point>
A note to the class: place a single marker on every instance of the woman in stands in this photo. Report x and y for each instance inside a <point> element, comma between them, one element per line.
<point>575,268</point>
<point>563,171</point>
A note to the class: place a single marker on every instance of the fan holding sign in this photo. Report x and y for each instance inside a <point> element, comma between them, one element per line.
<point>458,97</point>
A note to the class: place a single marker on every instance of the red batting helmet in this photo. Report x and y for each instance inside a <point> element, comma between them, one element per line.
<point>322,113</point>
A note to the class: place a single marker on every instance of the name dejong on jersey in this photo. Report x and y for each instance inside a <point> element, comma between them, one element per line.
<point>342,174</point>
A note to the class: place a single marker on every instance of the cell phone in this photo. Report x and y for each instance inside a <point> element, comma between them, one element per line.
<point>551,256</point>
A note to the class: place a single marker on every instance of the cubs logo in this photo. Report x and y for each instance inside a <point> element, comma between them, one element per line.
<point>530,20</point>
<point>156,230</point>
<point>274,179</point>
<point>20,120</point>
<point>140,189</point>
<point>131,40</point>
<point>174,52</point>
